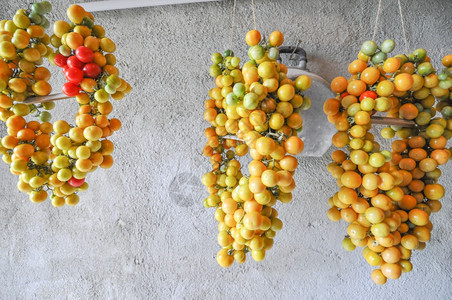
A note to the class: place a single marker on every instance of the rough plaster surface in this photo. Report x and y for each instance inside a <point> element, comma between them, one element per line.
<point>140,231</point>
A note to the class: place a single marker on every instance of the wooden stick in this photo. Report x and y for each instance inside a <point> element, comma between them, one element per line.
<point>392,121</point>
<point>48,98</point>
<point>231,137</point>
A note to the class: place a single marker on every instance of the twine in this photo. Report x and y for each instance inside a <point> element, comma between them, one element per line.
<point>403,27</point>
<point>254,14</point>
<point>376,20</point>
<point>233,22</point>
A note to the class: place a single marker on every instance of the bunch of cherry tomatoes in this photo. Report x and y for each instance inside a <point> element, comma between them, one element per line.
<point>387,197</point>
<point>56,158</point>
<point>252,109</point>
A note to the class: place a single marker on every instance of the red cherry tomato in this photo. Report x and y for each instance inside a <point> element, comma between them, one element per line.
<point>71,89</point>
<point>74,75</point>
<point>76,182</point>
<point>84,54</point>
<point>92,70</point>
<point>65,69</point>
<point>60,60</point>
<point>344,94</point>
<point>74,62</point>
<point>368,94</point>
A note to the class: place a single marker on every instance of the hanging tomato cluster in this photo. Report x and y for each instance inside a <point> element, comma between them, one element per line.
<point>57,157</point>
<point>387,197</point>
<point>254,108</point>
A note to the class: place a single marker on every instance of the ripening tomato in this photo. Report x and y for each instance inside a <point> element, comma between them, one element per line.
<point>378,277</point>
<point>294,145</point>
<point>224,259</point>
<point>276,38</point>
<point>253,37</point>
<point>356,87</point>
<point>76,13</point>
<point>339,84</point>
<point>41,88</point>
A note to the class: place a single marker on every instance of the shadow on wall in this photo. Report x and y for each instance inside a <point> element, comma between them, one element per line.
<point>184,189</point>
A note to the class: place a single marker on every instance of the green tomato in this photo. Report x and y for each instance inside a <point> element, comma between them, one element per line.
<point>273,53</point>
<point>101,96</point>
<point>369,48</point>
<point>430,110</point>
<point>21,109</point>
<point>353,109</point>
<point>44,22</point>
<point>35,18</point>
<point>250,101</point>
<point>48,105</point>
<point>39,8</point>
<point>64,50</point>
<point>388,46</point>
<point>239,89</point>
<point>348,245</point>
<point>256,52</point>
<point>216,58</point>
<point>387,155</point>
<point>447,111</point>
<point>51,58</point>
<point>445,84</point>
<point>449,71</point>
<point>45,116</point>
<point>88,22</point>
<point>383,104</point>
<point>303,82</point>
<point>367,104</point>
<point>434,130</point>
<point>442,76</point>
<point>231,99</point>
<point>228,53</point>
<point>379,58</point>
<point>110,89</point>
<point>419,106</point>
<point>76,173</point>
<point>64,175</point>
<point>419,55</point>
<point>402,57</point>
<point>61,162</point>
<point>114,81</point>
<point>215,70</point>
<point>306,103</point>
<point>425,69</point>
<point>46,6</point>
<point>235,62</point>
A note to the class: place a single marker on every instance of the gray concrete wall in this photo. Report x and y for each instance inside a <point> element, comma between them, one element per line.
<point>140,231</point>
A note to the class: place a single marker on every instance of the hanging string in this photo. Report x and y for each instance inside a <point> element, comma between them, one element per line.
<point>403,27</point>
<point>294,50</point>
<point>376,21</point>
<point>233,23</point>
<point>254,14</point>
